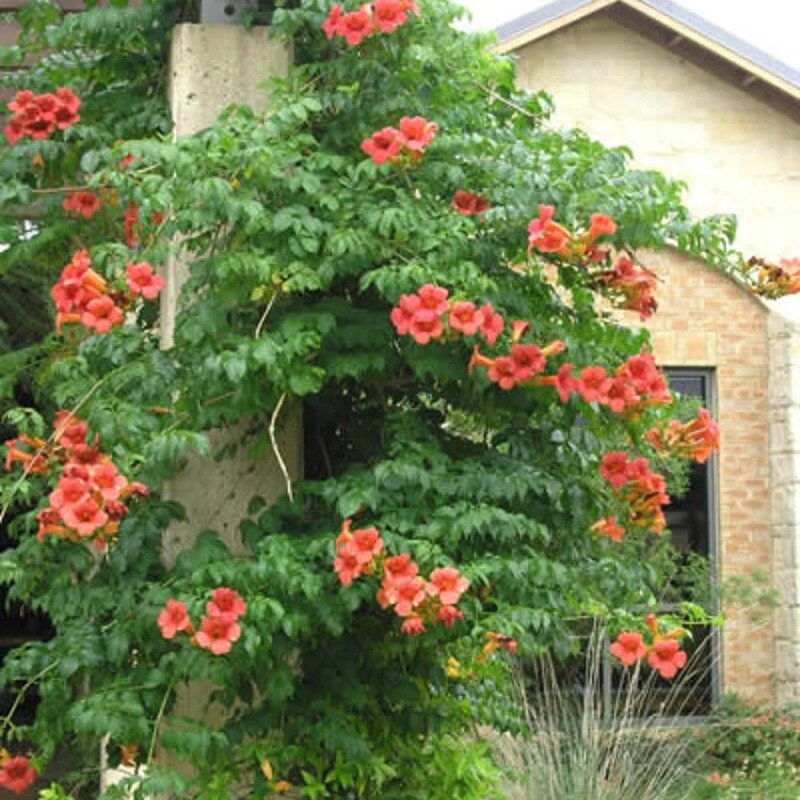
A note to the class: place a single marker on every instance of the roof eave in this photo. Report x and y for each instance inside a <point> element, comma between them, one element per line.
<point>573,15</point>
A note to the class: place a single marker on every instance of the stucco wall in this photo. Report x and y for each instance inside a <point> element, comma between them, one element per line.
<point>738,156</point>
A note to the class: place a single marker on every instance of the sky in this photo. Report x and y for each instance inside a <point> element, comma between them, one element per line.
<point>770,25</point>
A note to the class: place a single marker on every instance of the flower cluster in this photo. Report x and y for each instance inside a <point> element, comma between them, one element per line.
<point>545,235</point>
<point>219,628</point>
<point>774,281</point>
<point>642,489</point>
<point>694,440</point>
<point>16,773</point>
<point>663,653</point>
<point>469,204</point>
<point>82,296</point>
<point>428,314</point>
<point>382,16</point>
<point>85,203</point>
<point>130,221</point>
<point>416,600</point>
<point>635,385</point>
<point>87,502</point>
<point>408,140</point>
<point>38,115</point>
<point>628,287</point>
<point>522,365</point>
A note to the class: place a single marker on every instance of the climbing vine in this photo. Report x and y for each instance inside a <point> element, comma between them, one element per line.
<point>403,247</point>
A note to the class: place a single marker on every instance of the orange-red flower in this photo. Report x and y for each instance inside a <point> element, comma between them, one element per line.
<point>85,203</point>
<point>609,527</point>
<point>389,14</point>
<point>142,280</point>
<point>101,314</point>
<point>331,23</point>
<point>355,26</point>
<point>465,318</point>
<point>601,225</point>
<point>416,133</point>
<point>503,372</point>
<point>528,361</point>
<point>696,439</point>
<point>593,384</point>
<point>629,648</point>
<point>666,657</point>
<point>545,235</point>
<point>493,324</point>
<point>17,774</point>
<point>447,584</point>
<point>85,516</point>
<point>449,615</point>
<point>384,145</point>
<point>226,601</point>
<point>218,633</point>
<point>413,625</point>
<point>174,618</point>
<point>406,595</point>
<point>614,468</point>
<point>468,203</point>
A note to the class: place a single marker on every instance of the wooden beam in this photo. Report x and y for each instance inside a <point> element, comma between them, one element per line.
<point>713,47</point>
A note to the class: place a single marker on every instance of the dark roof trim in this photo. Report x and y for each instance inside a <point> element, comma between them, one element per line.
<point>516,32</point>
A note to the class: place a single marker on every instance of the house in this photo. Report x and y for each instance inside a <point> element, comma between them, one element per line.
<point>701,105</point>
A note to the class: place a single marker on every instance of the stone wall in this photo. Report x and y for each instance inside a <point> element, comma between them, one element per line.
<point>784,416</point>
<point>737,154</point>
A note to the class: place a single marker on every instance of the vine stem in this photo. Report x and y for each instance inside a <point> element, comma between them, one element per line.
<point>275,449</point>
<point>58,189</point>
<point>493,95</point>
<point>264,316</point>
<point>157,723</point>
<point>6,720</point>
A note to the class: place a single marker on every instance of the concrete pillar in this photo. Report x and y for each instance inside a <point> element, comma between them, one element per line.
<point>211,67</point>
<point>784,395</point>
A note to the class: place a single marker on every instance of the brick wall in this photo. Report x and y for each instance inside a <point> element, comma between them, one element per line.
<point>738,156</point>
<point>705,320</point>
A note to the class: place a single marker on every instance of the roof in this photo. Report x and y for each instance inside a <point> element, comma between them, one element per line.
<point>686,27</point>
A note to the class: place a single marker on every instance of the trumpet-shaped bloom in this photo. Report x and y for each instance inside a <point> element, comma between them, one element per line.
<point>447,584</point>
<point>465,318</point>
<point>629,648</point>
<point>16,774</point>
<point>218,633</point>
<point>383,145</point>
<point>666,658</point>
<point>142,280</point>
<point>469,204</point>
<point>226,601</point>
<point>173,618</point>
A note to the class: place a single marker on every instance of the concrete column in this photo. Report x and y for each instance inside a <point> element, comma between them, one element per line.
<point>211,67</point>
<point>784,395</point>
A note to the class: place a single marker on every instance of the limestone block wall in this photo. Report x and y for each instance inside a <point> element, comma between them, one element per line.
<point>784,394</point>
<point>737,154</point>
